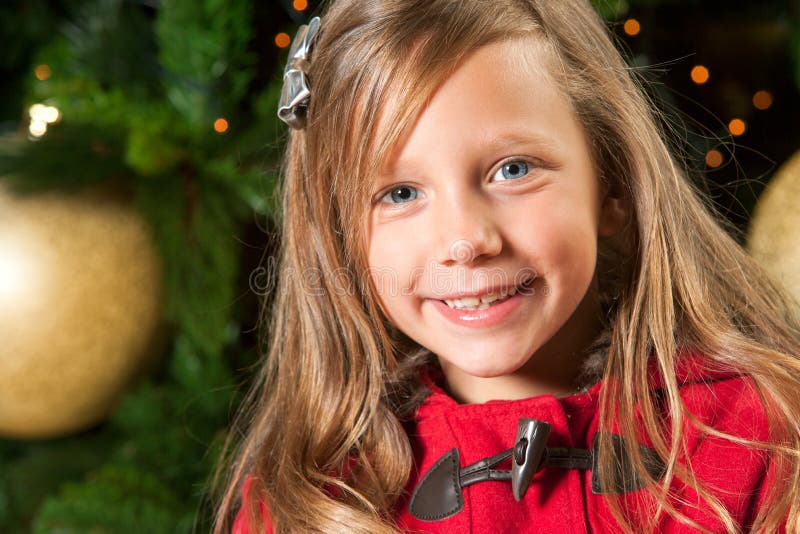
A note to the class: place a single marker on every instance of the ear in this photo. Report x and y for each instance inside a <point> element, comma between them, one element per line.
<point>614,212</point>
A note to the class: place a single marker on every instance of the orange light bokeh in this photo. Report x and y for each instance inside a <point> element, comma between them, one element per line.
<point>700,74</point>
<point>737,127</point>
<point>220,125</point>
<point>762,100</point>
<point>300,5</point>
<point>632,27</point>
<point>714,158</point>
<point>42,72</point>
<point>282,40</point>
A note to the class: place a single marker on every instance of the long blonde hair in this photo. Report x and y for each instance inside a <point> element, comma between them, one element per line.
<point>323,438</point>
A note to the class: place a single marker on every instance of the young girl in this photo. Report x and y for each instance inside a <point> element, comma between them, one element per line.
<point>501,305</point>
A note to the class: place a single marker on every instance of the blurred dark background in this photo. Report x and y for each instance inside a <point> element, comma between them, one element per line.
<point>138,155</point>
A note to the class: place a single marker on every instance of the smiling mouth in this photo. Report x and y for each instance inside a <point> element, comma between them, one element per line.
<point>486,300</point>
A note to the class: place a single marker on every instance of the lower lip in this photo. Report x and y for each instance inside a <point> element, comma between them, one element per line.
<point>490,316</point>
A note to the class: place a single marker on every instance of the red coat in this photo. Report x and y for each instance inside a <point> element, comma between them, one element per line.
<point>561,500</point>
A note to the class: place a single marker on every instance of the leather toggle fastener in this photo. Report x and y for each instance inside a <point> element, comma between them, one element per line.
<point>439,493</point>
<point>529,448</point>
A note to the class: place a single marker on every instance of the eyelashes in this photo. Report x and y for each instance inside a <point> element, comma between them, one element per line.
<point>400,195</point>
<point>513,170</point>
<point>509,170</point>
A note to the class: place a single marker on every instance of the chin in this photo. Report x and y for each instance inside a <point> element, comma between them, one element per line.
<point>483,366</point>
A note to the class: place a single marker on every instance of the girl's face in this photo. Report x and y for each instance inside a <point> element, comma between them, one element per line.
<point>483,229</point>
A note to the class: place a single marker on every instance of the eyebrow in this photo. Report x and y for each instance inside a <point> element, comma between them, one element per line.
<point>520,138</point>
<point>398,168</point>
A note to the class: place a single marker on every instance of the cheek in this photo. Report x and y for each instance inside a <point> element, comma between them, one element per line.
<point>385,251</point>
<point>564,242</point>
<point>390,265</point>
<point>379,247</point>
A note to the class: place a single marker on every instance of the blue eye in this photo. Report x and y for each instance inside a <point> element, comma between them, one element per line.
<point>400,195</point>
<point>511,171</point>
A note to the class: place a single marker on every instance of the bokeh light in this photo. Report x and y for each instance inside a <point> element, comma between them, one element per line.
<point>737,127</point>
<point>762,100</point>
<point>42,72</point>
<point>50,114</point>
<point>42,115</point>
<point>632,27</point>
<point>282,40</point>
<point>300,5</point>
<point>714,158</point>
<point>37,128</point>
<point>36,112</point>
<point>220,125</point>
<point>700,74</point>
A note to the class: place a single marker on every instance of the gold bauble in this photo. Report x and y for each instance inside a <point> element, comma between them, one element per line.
<point>774,235</point>
<point>80,301</point>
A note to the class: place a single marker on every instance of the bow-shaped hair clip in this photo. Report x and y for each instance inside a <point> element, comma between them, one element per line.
<point>295,93</point>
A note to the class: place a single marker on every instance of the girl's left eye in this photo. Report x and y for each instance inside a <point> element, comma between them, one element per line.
<point>400,195</point>
<point>512,170</point>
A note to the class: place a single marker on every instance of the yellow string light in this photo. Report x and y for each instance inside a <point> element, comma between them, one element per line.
<point>714,158</point>
<point>220,125</point>
<point>42,72</point>
<point>700,74</point>
<point>762,100</point>
<point>37,128</point>
<point>282,40</point>
<point>632,27</point>
<point>737,127</point>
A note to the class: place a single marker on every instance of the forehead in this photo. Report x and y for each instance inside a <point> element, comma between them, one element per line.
<point>502,95</point>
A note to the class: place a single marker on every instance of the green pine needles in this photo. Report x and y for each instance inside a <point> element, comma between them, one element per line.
<point>139,86</point>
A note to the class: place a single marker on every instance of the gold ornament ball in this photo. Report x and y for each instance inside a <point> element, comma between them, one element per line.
<point>774,234</point>
<point>80,308</point>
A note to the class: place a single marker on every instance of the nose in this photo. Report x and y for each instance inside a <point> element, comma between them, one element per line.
<point>466,231</point>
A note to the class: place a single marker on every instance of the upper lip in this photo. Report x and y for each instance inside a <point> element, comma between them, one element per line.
<point>480,293</point>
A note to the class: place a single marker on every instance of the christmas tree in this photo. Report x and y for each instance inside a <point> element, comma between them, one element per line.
<point>173,105</point>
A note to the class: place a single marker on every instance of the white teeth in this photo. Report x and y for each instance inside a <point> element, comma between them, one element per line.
<point>475,303</point>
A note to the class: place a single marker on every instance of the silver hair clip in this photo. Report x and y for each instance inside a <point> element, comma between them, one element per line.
<point>295,93</point>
